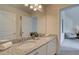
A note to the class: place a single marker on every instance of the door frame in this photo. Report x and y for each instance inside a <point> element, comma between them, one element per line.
<point>60,21</point>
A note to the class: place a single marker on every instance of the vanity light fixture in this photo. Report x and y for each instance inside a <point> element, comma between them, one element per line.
<point>35,7</point>
<point>40,6</point>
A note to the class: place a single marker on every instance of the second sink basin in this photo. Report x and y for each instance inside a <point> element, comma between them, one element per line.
<point>26,46</point>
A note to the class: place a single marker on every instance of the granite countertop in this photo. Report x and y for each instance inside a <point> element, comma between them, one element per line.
<point>26,46</point>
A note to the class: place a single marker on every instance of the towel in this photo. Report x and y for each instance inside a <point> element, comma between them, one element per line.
<point>5,45</point>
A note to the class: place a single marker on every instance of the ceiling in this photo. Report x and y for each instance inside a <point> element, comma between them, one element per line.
<point>26,9</point>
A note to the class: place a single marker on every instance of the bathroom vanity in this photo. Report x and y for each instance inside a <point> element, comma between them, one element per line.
<point>46,45</point>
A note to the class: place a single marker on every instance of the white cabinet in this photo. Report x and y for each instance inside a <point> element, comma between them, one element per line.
<point>47,49</point>
<point>40,51</point>
<point>51,47</point>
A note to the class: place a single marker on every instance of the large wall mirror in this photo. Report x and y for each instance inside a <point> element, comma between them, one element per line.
<point>7,25</point>
<point>29,24</point>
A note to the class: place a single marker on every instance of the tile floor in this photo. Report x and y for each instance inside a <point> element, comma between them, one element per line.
<point>70,47</point>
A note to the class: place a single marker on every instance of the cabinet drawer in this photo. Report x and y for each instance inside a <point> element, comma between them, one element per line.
<point>39,51</point>
<point>51,47</point>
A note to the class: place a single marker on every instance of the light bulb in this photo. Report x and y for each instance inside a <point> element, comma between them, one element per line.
<point>35,9</point>
<point>40,6</point>
<point>31,7</point>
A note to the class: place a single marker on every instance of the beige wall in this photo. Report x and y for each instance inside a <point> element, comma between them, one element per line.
<point>18,14</point>
<point>41,23</point>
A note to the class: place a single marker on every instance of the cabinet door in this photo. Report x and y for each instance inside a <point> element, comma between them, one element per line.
<point>39,51</point>
<point>51,47</point>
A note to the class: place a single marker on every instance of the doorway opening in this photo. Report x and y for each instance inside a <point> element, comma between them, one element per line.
<point>69,30</point>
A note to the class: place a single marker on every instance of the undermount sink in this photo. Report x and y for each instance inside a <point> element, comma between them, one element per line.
<point>29,44</point>
<point>26,46</point>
